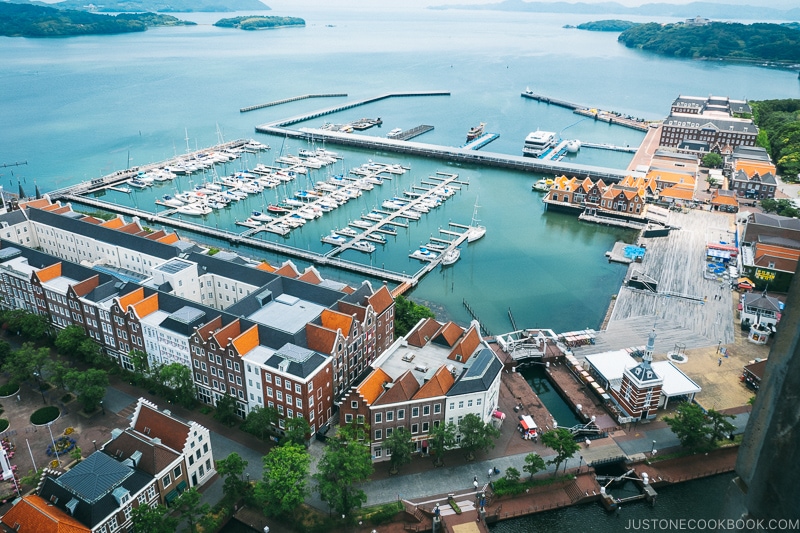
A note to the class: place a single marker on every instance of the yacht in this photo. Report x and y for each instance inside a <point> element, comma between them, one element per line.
<point>376,237</point>
<point>194,209</point>
<point>334,239</point>
<point>364,246</point>
<point>136,182</point>
<point>423,254</point>
<point>543,185</point>
<point>171,201</point>
<point>279,228</point>
<point>538,142</point>
<point>475,132</point>
<point>395,133</point>
<point>262,217</point>
<point>363,224</point>
<point>347,232</point>
<point>451,256</point>
<point>475,231</point>
<point>374,216</point>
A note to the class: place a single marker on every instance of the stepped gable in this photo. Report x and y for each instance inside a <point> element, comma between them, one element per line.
<point>437,386</point>
<point>266,267</point>
<point>114,223</point>
<point>91,220</point>
<point>466,346</point>
<point>85,287</point>
<point>372,387</point>
<point>155,456</point>
<point>311,275</point>
<point>289,270</point>
<point>131,228</point>
<point>402,390</point>
<point>423,332</point>
<point>206,330</point>
<point>148,420</point>
<point>34,514</point>
<point>154,235</point>
<point>381,300</point>
<point>170,238</point>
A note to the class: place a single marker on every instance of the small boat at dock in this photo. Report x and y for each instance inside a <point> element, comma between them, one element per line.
<point>423,254</point>
<point>475,132</point>
<point>347,232</point>
<point>375,237</point>
<point>333,238</point>
<point>261,217</point>
<point>364,246</point>
<point>451,256</point>
<point>363,224</point>
<point>543,185</point>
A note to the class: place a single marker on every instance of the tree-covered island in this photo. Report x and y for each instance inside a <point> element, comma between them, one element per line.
<point>259,22</point>
<point>607,25</point>
<point>777,44</point>
<point>161,6</point>
<point>22,20</point>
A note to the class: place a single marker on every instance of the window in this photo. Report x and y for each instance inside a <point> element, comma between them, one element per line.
<point>426,410</point>
<point>378,434</point>
<point>378,418</point>
<point>469,403</point>
<point>414,428</point>
<point>279,395</point>
<point>298,403</point>
<point>177,472</point>
<point>452,405</point>
<point>354,405</point>
<point>437,408</point>
<point>478,401</point>
<point>278,381</point>
<point>348,418</point>
<point>389,416</point>
<point>166,481</point>
<point>461,404</point>
<point>297,388</point>
<point>414,412</point>
<point>401,414</point>
<point>425,427</point>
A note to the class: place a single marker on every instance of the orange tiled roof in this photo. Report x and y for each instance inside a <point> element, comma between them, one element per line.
<point>754,167</point>
<point>266,267</point>
<point>41,203</point>
<point>449,334</point>
<point>172,432</point>
<point>320,339</point>
<point>288,270</point>
<point>336,321</point>
<point>61,210</point>
<point>205,330</point>
<point>665,176</point>
<point>170,238</point>
<point>91,220</point>
<point>420,335</point>
<point>147,306</point>
<point>231,331</point>
<point>132,228</point>
<point>347,308</point>
<point>131,298</point>
<point>114,223</point>
<point>47,273</point>
<point>438,385</point>
<point>381,300</point>
<point>155,235</point>
<point>86,286</point>
<point>678,193</point>
<point>52,207</point>
<point>311,276</point>
<point>246,341</point>
<point>35,515</point>
<point>372,386</point>
<point>402,390</point>
<point>466,346</point>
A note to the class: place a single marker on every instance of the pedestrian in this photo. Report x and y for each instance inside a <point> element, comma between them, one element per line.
<point>719,361</point>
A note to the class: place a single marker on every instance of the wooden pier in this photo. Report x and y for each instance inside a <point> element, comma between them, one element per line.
<point>292,99</point>
<point>413,132</point>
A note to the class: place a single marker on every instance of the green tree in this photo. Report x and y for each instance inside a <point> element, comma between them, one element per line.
<point>232,468</point>
<point>188,504</point>
<point>57,370</point>
<point>177,378</point>
<point>27,325</point>
<point>260,421</point>
<point>225,411</point>
<point>690,426</point>
<point>712,160</point>
<point>285,482</point>
<point>89,386</point>
<point>407,314</point>
<point>69,340</point>
<point>5,352</point>
<point>399,445</point>
<point>512,474</point>
<point>27,363</point>
<point>441,438</point>
<point>345,463</point>
<point>560,441</point>
<point>719,426</point>
<point>534,464</point>
<point>297,431</point>
<point>476,435</point>
<point>156,519</point>
<point>76,454</point>
<point>140,362</point>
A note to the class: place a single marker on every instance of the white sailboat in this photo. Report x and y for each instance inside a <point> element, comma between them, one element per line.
<point>475,231</point>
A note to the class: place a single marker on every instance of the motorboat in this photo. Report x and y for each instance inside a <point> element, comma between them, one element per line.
<point>294,220</point>
<point>261,217</point>
<point>194,209</point>
<point>395,133</point>
<point>333,238</point>
<point>374,216</point>
<point>137,183</point>
<point>376,237</point>
<point>347,232</point>
<point>171,201</point>
<point>363,224</point>
<point>390,204</point>
<point>213,204</point>
<point>364,246</point>
<point>451,256</point>
<point>423,254</point>
<point>421,208</point>
<point>272,208</point>
<point>279,228</point>
<point>306,213</point>
<point>410,214</point>
<point>294,203</point>
<point>249,223</point>
<point>543,185</point>
<point>475,132</point>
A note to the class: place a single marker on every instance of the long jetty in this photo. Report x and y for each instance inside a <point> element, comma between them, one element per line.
<point>238,239</point>
<point>287,100</point>
<point>586,111</point>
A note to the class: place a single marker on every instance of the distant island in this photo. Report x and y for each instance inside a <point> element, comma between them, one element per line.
<point>25,20</point>
<point>776,43</point>
<point>258,22</point>
<point>607,25</point>
<point>692,9</point>
<point>160,6</point>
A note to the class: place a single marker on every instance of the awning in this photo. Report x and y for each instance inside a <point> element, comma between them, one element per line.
<point>499,414</point>
<point>182,486</point>
<point>170,497</point>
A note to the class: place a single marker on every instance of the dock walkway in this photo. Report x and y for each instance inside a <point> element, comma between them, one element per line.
<point>597,114</point>
<point>287,100</point>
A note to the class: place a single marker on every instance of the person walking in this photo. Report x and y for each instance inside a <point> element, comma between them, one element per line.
<point>719,361</point>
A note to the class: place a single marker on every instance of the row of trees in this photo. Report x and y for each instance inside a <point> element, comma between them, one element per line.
<point>779,132</point>
<point>698,430</point>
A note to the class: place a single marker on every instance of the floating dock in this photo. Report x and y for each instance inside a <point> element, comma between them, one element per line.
<point>480,142</point>
<point>597,114</point>
<point>413,132</point>
<point>292,99</point>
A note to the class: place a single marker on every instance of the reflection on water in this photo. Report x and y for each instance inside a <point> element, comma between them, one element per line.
<point>561,411</point>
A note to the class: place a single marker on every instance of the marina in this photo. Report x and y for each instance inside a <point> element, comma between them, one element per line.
<point>594,113</point>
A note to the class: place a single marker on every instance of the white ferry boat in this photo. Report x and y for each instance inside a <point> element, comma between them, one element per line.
<point>395,133</point>
<point>538,142</point>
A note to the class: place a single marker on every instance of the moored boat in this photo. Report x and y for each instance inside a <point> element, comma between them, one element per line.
<point>475,132</point>
<point>423,254</point>
<point>262,217</point>
<point>334,239</point>
<point>364,246</point>
<point>543,185</point>
<point>451,256</point>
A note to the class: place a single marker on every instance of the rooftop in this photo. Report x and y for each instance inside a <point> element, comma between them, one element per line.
<point>287,313</point>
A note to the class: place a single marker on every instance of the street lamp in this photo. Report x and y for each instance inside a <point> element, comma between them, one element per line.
<point>55,450</point>
<point>719,345</point>
<point>653,450</point>
<point>95,445</point>
<point>39,383</point>
<point>580,463</point>
<point>102,407</point>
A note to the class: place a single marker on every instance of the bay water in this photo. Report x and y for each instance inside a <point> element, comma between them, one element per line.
<point>78,108</point>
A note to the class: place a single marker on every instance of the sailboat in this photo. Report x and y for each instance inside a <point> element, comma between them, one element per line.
<point>475,231</point>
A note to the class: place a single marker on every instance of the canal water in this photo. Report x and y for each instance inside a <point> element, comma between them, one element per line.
<point>536,377</point>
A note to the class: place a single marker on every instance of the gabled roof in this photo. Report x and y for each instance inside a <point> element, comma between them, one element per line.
<point>229,333</point>
<point>246,341</point>
<point>266,267</point>
<point>206,330</point>
<point>381,300</point>
<point>402,390</point>
<point>466,345</point>
<point>759,300</point>
<point>48,273</point>
<point>131,298</point>
<point>420,335</point>
<point>288,269</point>
<point>721,197</point>
<point>372,387</point>
<point>334,320</point>
<point>311,275</point>
<point>147,306</point>
<point>438,385</point>
<point>320,339</point>
<point>35,515</point>
<point>448,334</point>
<point>41,203</point>
<point>155,457</point>
<point>677,192</point>
<point>154,423</point>
<point>114,223</point>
